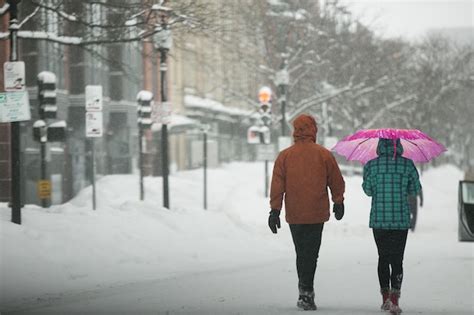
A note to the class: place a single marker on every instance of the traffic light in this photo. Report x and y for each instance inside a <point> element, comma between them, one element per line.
<point>144,99</point>
<point>265,105</point>
<point>42,130</point>
<point>57,131</point>
<point>47,95</point>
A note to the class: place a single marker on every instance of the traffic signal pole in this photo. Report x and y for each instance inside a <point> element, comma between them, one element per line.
<point>140,161</point>
<point>204,164</point>
<point>144,99</point>
<point>283,110</point>
<point>45,202</point>
<point>15,139</point>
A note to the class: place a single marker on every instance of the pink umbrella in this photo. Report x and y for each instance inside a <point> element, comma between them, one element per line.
<point>362,145</point>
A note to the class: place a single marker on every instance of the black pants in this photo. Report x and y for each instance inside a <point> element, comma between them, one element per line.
<point>391,248</point>
<point>307,240</point>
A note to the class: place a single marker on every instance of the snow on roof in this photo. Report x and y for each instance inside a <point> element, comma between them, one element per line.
<point>214,106</point>
<point>177,120</point>
<point>47,77</point>
<point>59,124</point>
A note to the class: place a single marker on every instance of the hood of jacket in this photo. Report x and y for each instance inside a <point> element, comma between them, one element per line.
<point>305,128</point>
<point>388,147</point>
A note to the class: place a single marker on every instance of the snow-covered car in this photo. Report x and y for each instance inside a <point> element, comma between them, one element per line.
<point>466,211</point>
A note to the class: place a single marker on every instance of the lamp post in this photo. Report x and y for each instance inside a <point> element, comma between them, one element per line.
<point>282,80</point>
<point>163,43</point>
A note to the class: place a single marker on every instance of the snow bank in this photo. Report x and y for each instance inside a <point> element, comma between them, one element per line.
<point>71,248</point>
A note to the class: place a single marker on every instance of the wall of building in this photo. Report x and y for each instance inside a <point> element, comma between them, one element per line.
<point>197,66</point>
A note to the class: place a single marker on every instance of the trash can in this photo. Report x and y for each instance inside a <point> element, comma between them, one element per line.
<point>466,211</point>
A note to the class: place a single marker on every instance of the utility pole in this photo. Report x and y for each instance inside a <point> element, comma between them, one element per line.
<point>16,201</point>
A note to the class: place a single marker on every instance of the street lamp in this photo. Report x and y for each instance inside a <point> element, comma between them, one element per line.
<point>282,79</point>
<point>163,42</point>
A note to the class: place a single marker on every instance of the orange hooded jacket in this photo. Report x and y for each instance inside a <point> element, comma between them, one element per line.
<point>301,175</point>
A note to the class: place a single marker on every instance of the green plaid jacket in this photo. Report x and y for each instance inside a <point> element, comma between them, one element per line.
<point>389,179</point>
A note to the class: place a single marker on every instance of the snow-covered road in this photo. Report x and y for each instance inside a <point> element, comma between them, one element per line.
<point>132,257</point>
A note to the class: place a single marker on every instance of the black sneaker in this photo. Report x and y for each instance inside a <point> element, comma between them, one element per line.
<point>306,301</point>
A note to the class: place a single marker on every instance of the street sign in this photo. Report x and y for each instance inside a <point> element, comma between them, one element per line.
<point>14,106</point>
<point>94,125</point>
<point>253,135</point>
<point>93,98</point>
<point>265,152</point>
<point>14,76</point>
<point>44,189</point>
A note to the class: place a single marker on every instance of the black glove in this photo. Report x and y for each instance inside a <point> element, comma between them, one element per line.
<point>338,210</point>
<point>274,220</point>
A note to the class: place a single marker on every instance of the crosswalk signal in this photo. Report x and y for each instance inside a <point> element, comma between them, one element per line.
<point>47,95</point>
<point>144,109</point>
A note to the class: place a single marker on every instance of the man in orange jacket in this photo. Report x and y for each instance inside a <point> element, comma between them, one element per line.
<point>301,175</point>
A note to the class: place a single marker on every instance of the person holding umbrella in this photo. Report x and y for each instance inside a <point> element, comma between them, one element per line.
<point>389,177</point>
<point>389,180</point>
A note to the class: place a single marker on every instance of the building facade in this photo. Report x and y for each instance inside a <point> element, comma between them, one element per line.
<point>204,78</point>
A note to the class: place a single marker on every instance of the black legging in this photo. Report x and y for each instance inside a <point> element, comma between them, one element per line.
<point>391,248</point>
<point>307,240</point>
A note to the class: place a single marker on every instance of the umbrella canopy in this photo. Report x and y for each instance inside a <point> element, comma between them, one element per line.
<point>362,145</point>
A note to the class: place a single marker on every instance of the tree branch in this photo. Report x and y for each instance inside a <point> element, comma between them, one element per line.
<point>390,106</point>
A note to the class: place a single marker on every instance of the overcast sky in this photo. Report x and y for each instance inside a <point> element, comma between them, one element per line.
<point>412,18</point>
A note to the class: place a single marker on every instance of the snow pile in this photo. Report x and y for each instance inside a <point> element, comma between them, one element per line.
<point>71,246</point>
<point>71,250</point>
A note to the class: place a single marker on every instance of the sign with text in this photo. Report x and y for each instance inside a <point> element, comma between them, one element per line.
<point>93,98</point>
<point>265,152</point>
<point>14,76</point>
<point>14,106</point>
<point>44,189</point>
<point>94,125</point>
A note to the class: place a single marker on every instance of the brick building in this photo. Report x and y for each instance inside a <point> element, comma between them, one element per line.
<point>197,93</point>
